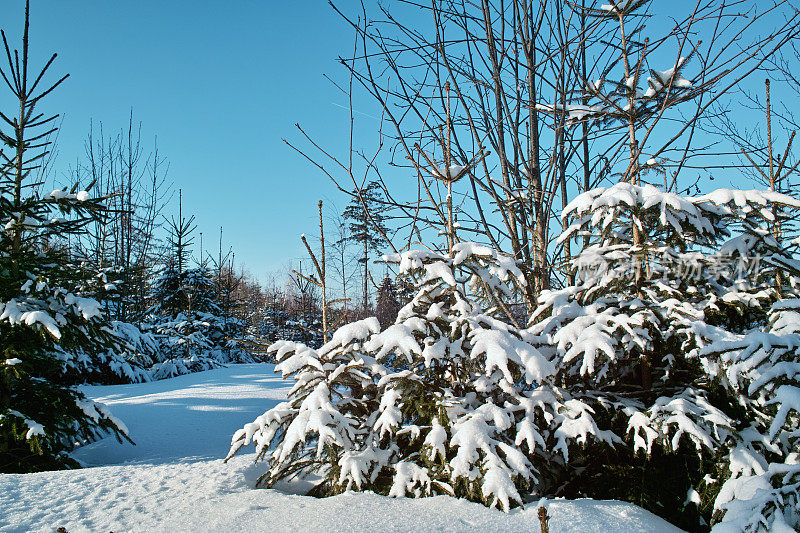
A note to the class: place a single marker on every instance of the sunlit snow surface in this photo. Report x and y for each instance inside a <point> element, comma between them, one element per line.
<point>173,479</point>
<point>184,418</point>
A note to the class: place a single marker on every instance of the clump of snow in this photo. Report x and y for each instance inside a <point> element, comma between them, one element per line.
<point>34,429</point>
<point>618,6</point>
<point>452,172</point>
<point>62,194</point>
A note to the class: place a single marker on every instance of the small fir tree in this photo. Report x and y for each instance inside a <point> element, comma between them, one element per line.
<point>387,304</point>
<point>430,405</point>
<point>665,352</point>
<point>190,330</point>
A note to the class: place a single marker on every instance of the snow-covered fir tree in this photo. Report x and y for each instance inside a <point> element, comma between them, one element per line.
<point>437,403</point>
<point>52,339</point>
<point>656,330</point>
<point>122,351</point>
<point>679,350</point>
<point>50,333</point>
<point>668,339</point>
<point>191,333</point>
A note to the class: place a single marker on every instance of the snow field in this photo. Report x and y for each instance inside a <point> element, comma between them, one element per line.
<point>211,496</point>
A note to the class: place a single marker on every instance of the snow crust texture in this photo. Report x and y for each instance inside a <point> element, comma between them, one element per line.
<point>214,497</point>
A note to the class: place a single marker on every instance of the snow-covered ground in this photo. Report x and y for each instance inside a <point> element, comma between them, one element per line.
<point>174,479</point>
<point>184,418</point>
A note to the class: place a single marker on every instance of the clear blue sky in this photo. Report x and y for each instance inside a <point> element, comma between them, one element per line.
<point>219,83</point>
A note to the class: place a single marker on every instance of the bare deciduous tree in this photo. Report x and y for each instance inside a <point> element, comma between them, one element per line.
<point>126,243</point>
<point>533,101</point>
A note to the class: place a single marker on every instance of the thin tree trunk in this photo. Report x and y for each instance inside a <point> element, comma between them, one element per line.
<point>323,278</point>
<point>366,258</point>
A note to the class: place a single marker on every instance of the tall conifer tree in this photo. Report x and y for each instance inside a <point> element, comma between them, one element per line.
<point>367,228</point>
<point>48,331</point>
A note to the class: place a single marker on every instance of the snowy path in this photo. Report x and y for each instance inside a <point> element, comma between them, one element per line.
<point>173,480</point>
<point>188,417</point>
